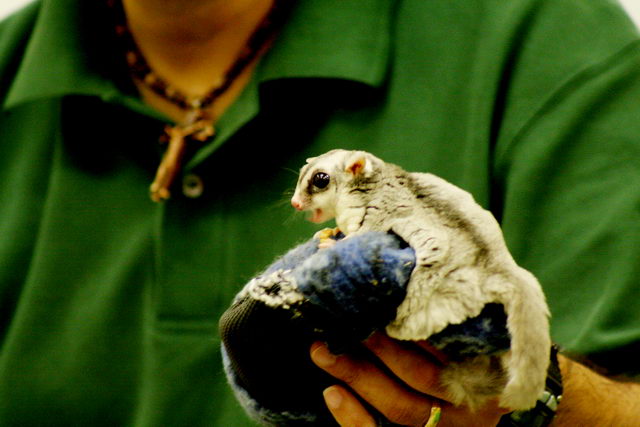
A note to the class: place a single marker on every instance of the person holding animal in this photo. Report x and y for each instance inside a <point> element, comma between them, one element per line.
<point>145,145</point>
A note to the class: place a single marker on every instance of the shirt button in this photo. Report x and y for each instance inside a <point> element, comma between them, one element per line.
<point>192,186</point>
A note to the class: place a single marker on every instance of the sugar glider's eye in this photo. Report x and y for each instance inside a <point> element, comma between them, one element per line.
<point>320,180</point>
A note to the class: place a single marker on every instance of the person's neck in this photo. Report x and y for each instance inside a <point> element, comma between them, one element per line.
<point>190,43</point>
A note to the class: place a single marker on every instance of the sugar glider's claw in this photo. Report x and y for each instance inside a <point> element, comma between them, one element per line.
<point>326,237</point>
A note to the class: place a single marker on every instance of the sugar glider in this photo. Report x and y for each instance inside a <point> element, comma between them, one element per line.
<point>462,264</point>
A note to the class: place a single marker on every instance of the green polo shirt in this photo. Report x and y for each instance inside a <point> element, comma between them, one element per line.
<point>109,302</point>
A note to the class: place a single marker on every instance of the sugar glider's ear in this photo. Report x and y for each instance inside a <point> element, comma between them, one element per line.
<point>358,164</point>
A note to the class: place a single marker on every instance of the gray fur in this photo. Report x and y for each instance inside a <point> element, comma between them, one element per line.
<point>462,265</point>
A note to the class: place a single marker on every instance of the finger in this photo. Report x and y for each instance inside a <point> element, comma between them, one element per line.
<point>487,416</point>
<point>418,370</point>
<point>411,364</point>
<point>389,396</point>
<point>346,408</point>
<point>439,355</point>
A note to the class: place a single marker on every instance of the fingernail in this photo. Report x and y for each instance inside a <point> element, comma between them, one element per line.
<point>332,397</point>
<point>322,356</point>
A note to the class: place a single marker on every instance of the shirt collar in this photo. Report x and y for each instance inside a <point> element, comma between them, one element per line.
<point>342,39</point>
<point>71,50</point>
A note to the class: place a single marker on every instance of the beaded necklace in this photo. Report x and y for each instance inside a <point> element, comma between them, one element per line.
<point>199,124</point>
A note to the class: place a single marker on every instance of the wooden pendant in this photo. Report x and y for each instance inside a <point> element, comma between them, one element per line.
<point>171,163</point>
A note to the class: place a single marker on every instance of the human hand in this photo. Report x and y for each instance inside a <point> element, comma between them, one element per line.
<point>400,380</point>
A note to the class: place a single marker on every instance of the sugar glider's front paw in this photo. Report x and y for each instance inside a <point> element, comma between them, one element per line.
<point>326,237</point>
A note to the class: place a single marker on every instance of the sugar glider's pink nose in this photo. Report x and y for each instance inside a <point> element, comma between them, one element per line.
<point>296,204</point>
